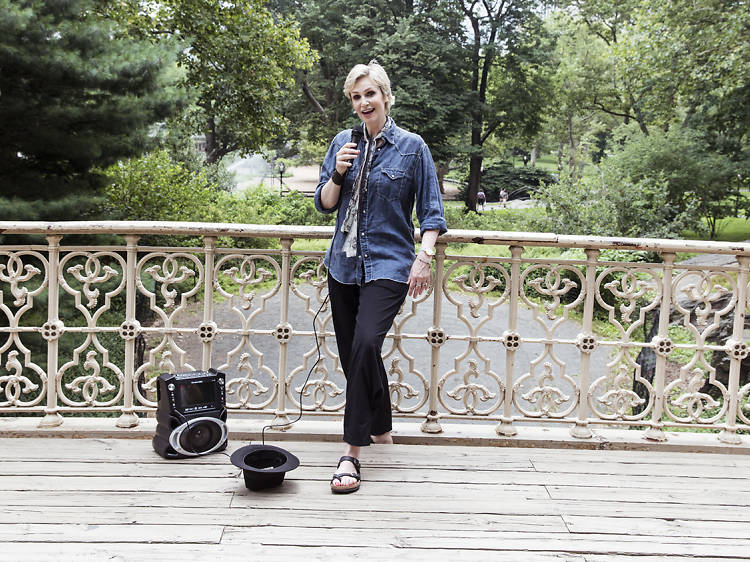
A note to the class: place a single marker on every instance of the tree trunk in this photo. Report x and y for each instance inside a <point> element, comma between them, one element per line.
<point>212,148</point>
<point>442,169</point>
<point>475,180</point>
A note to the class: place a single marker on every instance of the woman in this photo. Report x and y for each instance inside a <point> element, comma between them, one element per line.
<point>373,184</point>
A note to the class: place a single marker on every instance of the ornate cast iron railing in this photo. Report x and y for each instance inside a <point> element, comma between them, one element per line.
<point>544,329</point>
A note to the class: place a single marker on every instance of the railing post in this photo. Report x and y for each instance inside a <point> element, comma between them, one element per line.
<point>129,331</point>
<point>663,346</point>
<point>511,341</point>
<point>737,350</point>
<point>207,330</point>
<point>586,344</point>
<point>437,338</point>
<point>53,328</point>
<point>283,333</point>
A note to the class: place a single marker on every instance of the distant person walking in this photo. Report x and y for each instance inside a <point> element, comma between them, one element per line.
<point>481,199</point>
<point>503,197</point>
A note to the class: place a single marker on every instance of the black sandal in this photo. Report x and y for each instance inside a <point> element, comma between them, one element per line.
<point>348,488</point>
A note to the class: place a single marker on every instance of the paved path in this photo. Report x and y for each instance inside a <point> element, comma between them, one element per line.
<point>266,346</point>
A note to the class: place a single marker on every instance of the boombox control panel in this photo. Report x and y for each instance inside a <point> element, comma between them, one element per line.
<point>190,392</point>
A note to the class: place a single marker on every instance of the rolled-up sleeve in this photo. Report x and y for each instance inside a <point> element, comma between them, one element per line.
<point>429,203</point>
<point>329,164</point>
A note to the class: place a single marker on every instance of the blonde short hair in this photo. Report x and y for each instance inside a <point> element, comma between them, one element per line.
<point>377,74</point>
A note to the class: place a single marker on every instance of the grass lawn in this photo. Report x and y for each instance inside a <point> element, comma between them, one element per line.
<point>734,230</point>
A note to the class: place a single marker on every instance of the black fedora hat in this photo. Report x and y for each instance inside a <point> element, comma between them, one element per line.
<point>263,466</point>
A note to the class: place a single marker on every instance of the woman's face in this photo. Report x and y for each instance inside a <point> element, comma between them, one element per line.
<point>368,102</point>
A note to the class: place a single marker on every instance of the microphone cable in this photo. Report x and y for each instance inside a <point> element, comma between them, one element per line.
<point>187,422</point>
<point>304,384</point>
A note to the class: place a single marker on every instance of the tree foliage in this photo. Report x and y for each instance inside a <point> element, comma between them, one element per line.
<point>402,36</point>
<point>239,61</point>
<point>657,185</point>
<point>698,55</point>
<point>75,95</point>
<point>502,44</point>
<point>518,182</point>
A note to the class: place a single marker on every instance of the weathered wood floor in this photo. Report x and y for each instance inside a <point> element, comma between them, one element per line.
<point>115,499</point>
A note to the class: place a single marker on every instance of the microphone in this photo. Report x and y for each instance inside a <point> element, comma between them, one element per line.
<point>357,133</point>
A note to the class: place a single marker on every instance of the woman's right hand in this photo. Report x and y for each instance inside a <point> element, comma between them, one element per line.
<point>345,156</point>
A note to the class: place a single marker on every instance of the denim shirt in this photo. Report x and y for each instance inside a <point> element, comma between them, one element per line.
<point>402,173</point>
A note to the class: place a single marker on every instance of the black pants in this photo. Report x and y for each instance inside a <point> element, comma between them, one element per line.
<point>362,316</point>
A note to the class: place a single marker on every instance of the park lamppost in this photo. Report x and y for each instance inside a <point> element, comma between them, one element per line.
<point>282,167</point>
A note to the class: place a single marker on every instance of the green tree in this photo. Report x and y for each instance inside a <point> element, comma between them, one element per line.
<point>341,37</point>
<point>608,204</point>
<point>427,35</point>
<point>76,95</point>
<point>434,102</point>
<point>571,122</point>
<point>657,185</point>
<point>239,61</point>
<point>502,41</point>
<point>613,90</point>
<point>698,55</point>
<point>697,180</point>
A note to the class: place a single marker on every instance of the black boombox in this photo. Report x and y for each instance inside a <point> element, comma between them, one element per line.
<point>191,414</point>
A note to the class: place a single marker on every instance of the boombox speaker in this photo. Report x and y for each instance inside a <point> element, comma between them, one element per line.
<point>191,414</point>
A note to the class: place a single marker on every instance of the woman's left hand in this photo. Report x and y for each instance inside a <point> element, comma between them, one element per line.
<point>419,277</point>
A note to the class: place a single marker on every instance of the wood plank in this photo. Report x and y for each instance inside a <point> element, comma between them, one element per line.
<point>289,518</point>
<point>429,507</point>
<point>492,541</point>
<point>326,453</point>
<point>313,454</point>
<point>102,499</point>
<point>647,558</point>
<point>39,552</point>
<point>72,468</point>
<point>380,474</point>
<point>696,497</point>
<point>315,488</point>
<point>94,532</point>
<point>644,469</point>
<point>106,498</point>
<point>657,527</point>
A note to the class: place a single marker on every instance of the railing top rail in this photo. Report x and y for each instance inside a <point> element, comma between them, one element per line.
<point>299,231</point>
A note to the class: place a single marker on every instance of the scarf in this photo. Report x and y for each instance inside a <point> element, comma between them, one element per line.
<point>350,225</point>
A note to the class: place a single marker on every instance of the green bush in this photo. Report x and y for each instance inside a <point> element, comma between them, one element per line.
<point>260,205</point>
<point>154,187</point>
<point>696,181</point>
<point>508,220</point>
<point>608,204</point>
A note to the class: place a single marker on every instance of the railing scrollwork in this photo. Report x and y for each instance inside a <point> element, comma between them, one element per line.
<point>593,336</point>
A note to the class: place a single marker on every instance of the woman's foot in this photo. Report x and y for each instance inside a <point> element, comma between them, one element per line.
<point>347,477</point>
<point>382,439</point>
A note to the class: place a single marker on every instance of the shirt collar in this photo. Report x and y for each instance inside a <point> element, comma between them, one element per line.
<point>386,132</point>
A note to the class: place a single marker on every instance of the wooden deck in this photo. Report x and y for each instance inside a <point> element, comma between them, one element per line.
<point>115,499</point>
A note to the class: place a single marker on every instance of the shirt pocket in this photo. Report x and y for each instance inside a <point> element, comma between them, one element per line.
<point>391,183</point>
